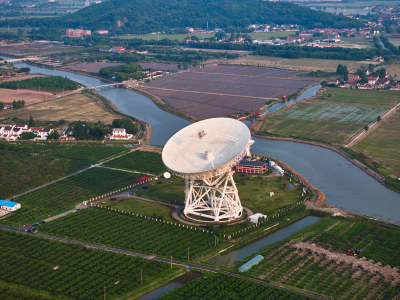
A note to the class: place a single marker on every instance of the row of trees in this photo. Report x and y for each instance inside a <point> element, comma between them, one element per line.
<point>52,83</point>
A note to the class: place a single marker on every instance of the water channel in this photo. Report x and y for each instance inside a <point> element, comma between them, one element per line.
<point>344,185</point>
<point>234,256</point>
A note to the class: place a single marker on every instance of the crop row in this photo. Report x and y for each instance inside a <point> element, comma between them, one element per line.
<point>126,231</point>
<point>141,161</point>
<point>218,286</point>
<point>66,193</point>
<point>72,270</point>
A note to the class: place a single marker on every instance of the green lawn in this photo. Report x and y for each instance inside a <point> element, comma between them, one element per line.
<point>169,192</point>
<point>65,194</point>
<point>253,192</point>
<point>141,207</point>
<point>382,145</point>
<point>27,262</point>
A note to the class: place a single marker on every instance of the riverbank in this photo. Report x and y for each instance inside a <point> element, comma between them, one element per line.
<point>367,169</point>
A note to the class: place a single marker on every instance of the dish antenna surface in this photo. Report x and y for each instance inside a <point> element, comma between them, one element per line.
<point>205,153</point>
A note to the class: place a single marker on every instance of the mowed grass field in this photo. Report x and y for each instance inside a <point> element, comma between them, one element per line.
<point>79,106</point>
<point>299,64</point>
<point>177,36</point>
<point>383,144</point>
<point>334,118</point>
<point>253,192</point>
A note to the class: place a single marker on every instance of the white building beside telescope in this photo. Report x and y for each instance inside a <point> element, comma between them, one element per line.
<point>205,153</point>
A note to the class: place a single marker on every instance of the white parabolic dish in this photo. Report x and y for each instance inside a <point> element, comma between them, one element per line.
<point>209,145</point>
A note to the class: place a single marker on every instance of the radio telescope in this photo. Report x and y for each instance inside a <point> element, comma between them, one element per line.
<point>204,153</point>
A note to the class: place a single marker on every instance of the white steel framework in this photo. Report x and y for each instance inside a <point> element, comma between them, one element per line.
<point>214,199</point>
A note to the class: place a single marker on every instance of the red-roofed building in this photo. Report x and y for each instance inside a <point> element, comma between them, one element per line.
<point>372,80</point>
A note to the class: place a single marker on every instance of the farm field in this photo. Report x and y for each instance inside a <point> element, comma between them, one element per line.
<point>78,106</point>
<point>219,286</point>
<point>140,161</point>
<point>367,98</point>
<point>394,70</point>
<point>334,116</point>
<point>140,207</point>
<point>82,273</point>
<point>327,123</point>
<point>383,144</point>
<point>217,91</point>
<point>30,96</point>
<point>131,232</point>
<point>93,67</point>
<point>299,64</point>
<point>30,49</point>
<point>65,194</point>
<point>160,36</point>
<point>317,260</point>
<point>253,192</point>
<point>269,35</point>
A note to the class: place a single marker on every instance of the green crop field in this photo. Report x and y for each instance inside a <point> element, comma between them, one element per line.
<point>27,262</point>
<point>288,264</point>
<point>382,145</point>
<point>253,192</point>
<point>368,98</point>
<point>219,286</point>
<point>131,232</point>
<point>64,194</point>
<point>141,161</point>
<point>140,207</point>
<point>269,35</point>
<point>177,36</point>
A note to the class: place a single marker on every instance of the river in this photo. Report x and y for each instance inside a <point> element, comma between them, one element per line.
<point>344,185</point>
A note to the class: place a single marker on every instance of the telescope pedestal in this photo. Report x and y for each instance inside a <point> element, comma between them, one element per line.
<point>214,199</point>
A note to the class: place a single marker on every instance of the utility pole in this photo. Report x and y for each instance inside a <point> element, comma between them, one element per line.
<point>171,262</point>
<point>141,276</point>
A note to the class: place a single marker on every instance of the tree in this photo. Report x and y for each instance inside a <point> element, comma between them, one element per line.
<point>54,135</point>
<point>366,127</point>
<point>378,118</point>
<point>31,122</point>
<point>382,73</point>
<point>27,136</point>
<point>342,70</point>
<point>18,103</point>
<point>1,106</point>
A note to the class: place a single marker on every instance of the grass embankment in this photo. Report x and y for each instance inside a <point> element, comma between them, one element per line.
<point>25,166</point>
<point>82,273</point>
<point>140,207</point>
<point>382,146</point>
<point>253,192</point>
<point>334,118</point>
<point>287,264</point>
<point>79,106</point>
<point>63,195</point>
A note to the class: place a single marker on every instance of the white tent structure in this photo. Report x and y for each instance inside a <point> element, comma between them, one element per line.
<point>205,153</point>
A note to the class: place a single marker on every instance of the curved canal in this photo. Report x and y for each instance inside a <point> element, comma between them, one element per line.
<point>344,185</point>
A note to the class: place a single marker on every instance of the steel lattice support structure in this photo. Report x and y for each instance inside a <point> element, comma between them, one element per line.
<point>215,199</point>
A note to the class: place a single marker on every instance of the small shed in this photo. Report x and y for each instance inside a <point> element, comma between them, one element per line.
<point>9,205</point>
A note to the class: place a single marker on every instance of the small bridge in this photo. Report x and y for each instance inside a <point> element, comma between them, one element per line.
<point>109,85</point>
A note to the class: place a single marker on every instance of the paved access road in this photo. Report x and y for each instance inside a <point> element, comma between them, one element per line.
<point>165,260</point>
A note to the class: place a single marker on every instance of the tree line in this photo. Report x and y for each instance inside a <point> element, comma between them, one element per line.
<point>53,84</point>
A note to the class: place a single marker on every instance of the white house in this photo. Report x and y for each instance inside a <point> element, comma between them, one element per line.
<point>41,132</point>
<point>120,134</point>
<point>9,205</point>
